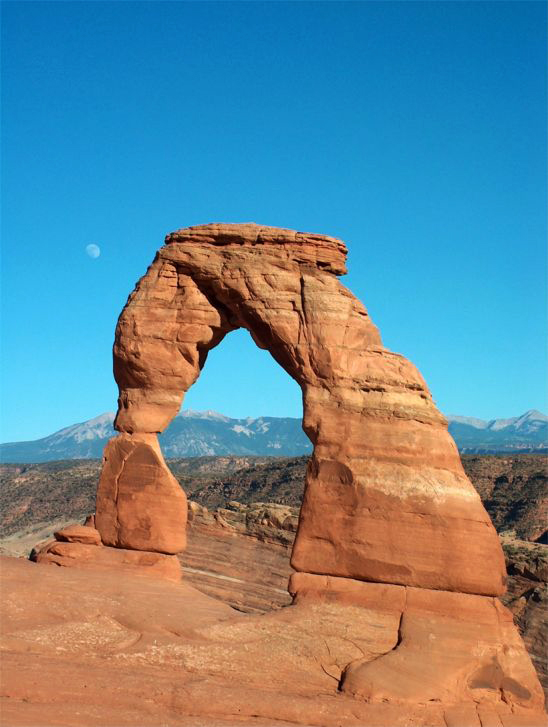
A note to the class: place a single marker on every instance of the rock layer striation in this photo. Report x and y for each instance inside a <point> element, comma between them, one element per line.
<point>386,497</point>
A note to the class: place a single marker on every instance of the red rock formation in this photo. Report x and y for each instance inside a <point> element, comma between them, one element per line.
<point>139,503</point>
<point>386,497</point>
<point>241,555</point>
<point>401,510</point>
<point>118,560</point>
<point>79,534</point>
<point>79,546</point>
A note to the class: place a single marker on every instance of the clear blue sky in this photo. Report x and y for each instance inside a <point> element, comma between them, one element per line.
<point>414,131</point>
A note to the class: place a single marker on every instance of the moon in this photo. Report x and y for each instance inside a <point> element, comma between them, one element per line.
<point>93,251</point>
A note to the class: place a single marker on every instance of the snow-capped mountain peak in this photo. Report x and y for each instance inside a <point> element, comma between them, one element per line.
<point>531,418</point>
<point>208,414</point>
<point>526,433</point>
<point>468,421</point>
<point>96,428</point>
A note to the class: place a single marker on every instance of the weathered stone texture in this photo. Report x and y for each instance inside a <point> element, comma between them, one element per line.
<point>386,496</point>
<point>451,647</point>
<point>86,534</point>
<point>82,555</point>
<point>140,504</point>
<point>88,649</point>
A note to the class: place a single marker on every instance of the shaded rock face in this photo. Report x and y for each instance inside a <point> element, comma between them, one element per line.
<point>527,598</point>
<point>386,498</point>
<point>240,554</point>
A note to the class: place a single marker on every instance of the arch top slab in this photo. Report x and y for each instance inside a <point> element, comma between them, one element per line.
<point>327,253</point>
<point>386,498</point>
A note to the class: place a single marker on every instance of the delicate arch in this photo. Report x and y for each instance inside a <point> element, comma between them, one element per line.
<point>386,498</point>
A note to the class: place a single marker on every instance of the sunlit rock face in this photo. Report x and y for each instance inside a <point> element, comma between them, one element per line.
<point>386,497</point>
<point>139,501</point>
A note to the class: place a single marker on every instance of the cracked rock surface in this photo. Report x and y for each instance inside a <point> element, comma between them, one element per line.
<point>89,647</point>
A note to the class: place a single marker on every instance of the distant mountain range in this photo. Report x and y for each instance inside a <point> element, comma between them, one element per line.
<point>190,434</point>
<point>195,434</point>
<point>526,433</point>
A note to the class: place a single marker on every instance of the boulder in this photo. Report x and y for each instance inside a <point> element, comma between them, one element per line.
<point>84,555</point>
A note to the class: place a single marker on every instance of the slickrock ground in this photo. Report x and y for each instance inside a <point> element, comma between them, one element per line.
<point>86,648</point>
<point>240,555</point>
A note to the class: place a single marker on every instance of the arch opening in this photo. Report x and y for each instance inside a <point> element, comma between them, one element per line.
<point>241,380</point>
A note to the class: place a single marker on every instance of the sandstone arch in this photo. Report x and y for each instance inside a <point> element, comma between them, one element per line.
<point>386,497</point>
<point>393,548</point>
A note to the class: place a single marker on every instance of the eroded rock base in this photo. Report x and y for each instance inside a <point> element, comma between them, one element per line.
<point>79,546</point>
<point>448,647</point>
